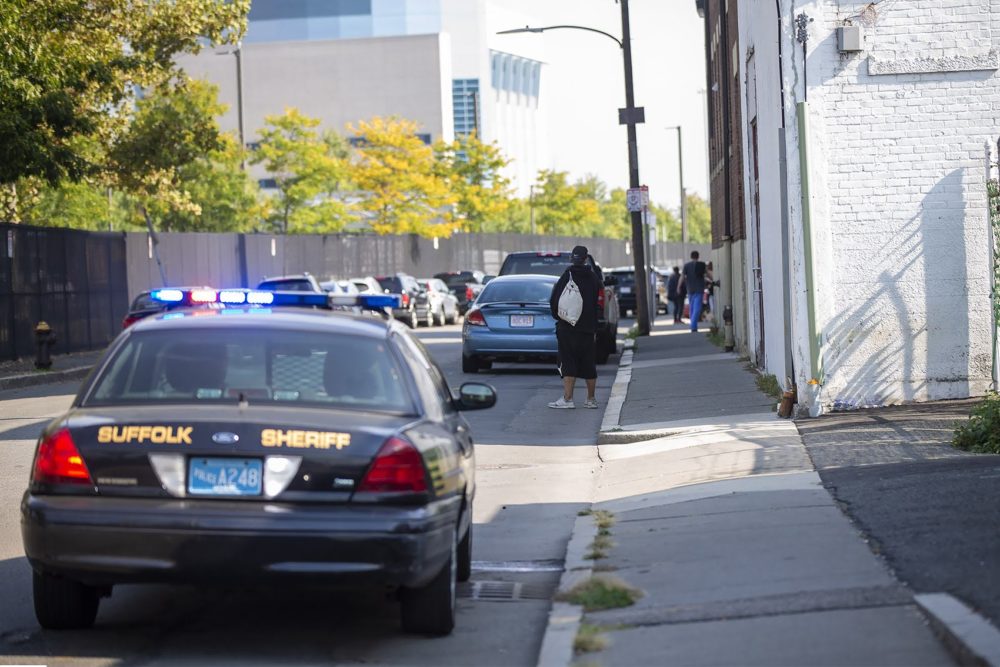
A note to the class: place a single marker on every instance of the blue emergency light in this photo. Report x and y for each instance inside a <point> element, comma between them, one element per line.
<point>167,295</point>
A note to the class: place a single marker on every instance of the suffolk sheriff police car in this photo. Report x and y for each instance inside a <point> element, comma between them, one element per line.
<point>254,442</point>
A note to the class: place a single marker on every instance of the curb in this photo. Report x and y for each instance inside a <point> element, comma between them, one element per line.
<point>33,379</point>
<point>619,390</point>
<point>970,638</point>
<point>564,619</point>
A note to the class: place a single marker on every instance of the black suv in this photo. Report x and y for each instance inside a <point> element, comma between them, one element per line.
<point>553,264</point>
<point>415,308</point>
<point>465,285</point>
<point>625,289</point>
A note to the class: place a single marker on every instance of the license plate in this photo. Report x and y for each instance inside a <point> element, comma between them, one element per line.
<point>626,290</point>
<point>224,477</point>
<point>525,321</point>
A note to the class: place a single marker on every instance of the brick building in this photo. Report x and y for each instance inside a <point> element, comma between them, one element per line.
<point>873,284</point>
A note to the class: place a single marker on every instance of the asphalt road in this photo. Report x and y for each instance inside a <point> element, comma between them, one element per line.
<point>535,469</point>
<point>927,509</point>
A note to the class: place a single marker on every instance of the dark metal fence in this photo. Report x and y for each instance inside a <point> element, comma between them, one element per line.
<point>74,280</point>
<point>81,282</point>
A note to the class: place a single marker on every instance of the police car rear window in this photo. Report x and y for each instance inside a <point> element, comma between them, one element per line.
<point>294,285</point>
<point>260,367</point>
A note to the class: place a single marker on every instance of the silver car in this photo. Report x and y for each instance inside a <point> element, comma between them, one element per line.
<point>444,304</point>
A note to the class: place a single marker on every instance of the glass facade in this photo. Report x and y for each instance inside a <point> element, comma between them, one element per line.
<point>465,102</point>
<point>297,20</point>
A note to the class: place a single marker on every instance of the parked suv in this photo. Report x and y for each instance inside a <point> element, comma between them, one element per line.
<point>302,282</point>
<point>553,264</point>
<point>414,309</point>
<point>625,289</point>
<point>465,285</point>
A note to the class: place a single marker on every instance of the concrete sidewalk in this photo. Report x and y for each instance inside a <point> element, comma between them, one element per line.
<point>65,367</point>
<point>722,522</point>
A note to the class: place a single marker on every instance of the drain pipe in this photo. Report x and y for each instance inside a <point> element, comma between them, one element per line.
<point>786,281</point>
<point>815,366</point>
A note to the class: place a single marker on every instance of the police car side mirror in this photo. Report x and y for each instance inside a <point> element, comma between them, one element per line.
<point>476,396</point>
<point>610,281</point>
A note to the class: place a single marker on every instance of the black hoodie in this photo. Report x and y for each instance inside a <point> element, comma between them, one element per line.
<point>589,285</point>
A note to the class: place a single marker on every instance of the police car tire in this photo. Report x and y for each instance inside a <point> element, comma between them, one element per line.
<point>430,609</point>
<point>64,604</point>
<point>440,318</point>
<point>453,318</point>
<point>465,556</point>
<point>412,322</point>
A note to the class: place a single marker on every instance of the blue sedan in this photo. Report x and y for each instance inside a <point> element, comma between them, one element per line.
<point>510,321</point>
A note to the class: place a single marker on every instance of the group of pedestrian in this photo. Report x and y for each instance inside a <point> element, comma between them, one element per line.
<point>574,306</point>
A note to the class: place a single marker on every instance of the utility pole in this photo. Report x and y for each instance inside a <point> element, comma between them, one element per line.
<point>630,116</point>
<point>531,206</point>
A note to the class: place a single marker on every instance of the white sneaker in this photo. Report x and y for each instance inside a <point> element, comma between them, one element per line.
<point>591,403</point>
<point>562,404</point>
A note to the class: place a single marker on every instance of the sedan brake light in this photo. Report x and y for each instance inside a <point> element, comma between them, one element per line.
<point>406,299</point>
<point>398,467</point>
<point>59,462</point>
<point>475,318</point>
<point>469,296</point>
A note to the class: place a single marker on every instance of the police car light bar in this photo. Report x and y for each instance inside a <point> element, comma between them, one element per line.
<point>167,295</point>
<point>239,297</point>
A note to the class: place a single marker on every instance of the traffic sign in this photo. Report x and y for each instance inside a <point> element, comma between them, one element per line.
<point>637,199</point>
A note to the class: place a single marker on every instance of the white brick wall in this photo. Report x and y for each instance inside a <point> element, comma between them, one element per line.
<point>900,220</point>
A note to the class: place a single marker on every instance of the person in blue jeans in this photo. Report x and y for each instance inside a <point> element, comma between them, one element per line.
<point>693,278</point>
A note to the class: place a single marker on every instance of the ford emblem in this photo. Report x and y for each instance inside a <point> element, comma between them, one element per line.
<point>224,438</point>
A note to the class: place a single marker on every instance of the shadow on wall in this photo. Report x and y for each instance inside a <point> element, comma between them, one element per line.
<point>907,339</point>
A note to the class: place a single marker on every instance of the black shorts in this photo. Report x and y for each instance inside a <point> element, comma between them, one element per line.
<point>577,353</point>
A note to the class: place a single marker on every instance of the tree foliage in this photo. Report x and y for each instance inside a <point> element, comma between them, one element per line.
<point>308,170</point>
<point>474,172</point>
<point>404,191</point>
<point>68,68</point>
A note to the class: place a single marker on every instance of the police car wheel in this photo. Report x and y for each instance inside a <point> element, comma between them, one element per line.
<point>63,604</point>
<point>465,556</point>
<point>430,609</point>
<point>439,317</point>
<point>453,318</point>
<point>412,322</point>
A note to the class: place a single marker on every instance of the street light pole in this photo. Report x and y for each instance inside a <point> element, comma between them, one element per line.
<point>680,162</point>
<point>631,117</point>
<point>239,105</point>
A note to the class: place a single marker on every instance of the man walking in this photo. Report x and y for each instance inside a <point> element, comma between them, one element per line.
<point>577,354</point>
<point>693,280</point>
<point>675,294</point>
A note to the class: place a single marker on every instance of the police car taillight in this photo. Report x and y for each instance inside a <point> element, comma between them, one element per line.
<point>398,467</point>
<point>59,461</point>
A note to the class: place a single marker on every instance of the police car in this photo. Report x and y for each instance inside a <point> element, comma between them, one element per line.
<point>257,442</point>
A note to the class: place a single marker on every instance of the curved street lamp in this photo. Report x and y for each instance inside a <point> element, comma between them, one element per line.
<point>630,116</point>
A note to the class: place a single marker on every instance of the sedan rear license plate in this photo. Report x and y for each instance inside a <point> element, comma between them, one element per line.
<point>626,290</point>
<point>224,477</point>
<point>519,321</point>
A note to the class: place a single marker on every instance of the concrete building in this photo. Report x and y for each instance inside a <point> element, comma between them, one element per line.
<point>432,61</point>
<point>868,257</point>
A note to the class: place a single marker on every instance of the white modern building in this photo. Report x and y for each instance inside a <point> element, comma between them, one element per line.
<point>868,261</point>
<point>437,62</point>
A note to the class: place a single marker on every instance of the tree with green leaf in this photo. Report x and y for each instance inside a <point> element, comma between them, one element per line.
<point>699,219</point>
<point>69,71</point>
<point>308,171</point>
<point>474,171</point>
<point>404,191</point>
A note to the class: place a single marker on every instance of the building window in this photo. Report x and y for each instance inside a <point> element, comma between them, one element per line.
<point>269,10</point>
<point>465,103</point>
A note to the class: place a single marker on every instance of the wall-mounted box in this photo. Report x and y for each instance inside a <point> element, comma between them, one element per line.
<point>849,38</point>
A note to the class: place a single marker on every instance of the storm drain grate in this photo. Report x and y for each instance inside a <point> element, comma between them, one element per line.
<point>504,590</point>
